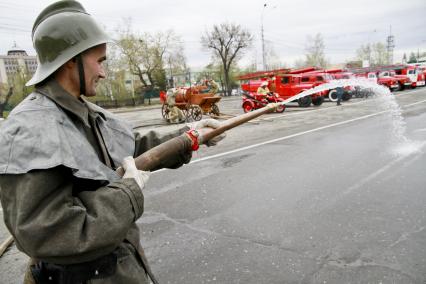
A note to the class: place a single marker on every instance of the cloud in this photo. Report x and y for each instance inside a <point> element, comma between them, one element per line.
<point>344,24</point>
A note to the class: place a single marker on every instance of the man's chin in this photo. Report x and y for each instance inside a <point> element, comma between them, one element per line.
<point>90,94</point>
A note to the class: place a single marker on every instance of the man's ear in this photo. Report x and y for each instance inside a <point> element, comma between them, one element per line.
<point>70,63</point>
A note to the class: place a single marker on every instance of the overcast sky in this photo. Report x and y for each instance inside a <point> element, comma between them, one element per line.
<point>345,25</point>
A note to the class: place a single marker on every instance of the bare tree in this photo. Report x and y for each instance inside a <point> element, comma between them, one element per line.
<point>315,51</point>
<point>227,41</point>
<point>273,59</point>
<point>376,54</point>
<point>147,54</point>
<point>380,54</point>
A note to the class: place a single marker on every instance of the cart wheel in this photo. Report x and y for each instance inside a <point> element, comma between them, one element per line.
<point>197,113</point>
<point>215,110</point>
<point>186,113</point>
<point>165,112</point>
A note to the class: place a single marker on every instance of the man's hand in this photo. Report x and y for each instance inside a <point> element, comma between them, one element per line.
<point>204,126</point>
<point>141,177</point>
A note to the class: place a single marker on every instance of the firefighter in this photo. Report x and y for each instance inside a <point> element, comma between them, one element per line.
<point>62,199</point>
<point>175,114</point>
<point>339,91</point>
<point>263,88</point>
<point>214,87</point>
<point>272,85</point>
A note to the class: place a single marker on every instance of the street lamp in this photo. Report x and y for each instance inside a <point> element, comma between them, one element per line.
<point>263,39</point>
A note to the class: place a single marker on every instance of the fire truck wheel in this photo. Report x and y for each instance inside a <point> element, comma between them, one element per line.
<point>332,95</point>
<point>347,96</point>
<point>165,112</point>
<point>305,101</point>
<point>318,101</point>
<point>248,106</point>
<point>197,113</point>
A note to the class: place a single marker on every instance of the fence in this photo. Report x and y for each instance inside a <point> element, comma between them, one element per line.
<point>136,101</point>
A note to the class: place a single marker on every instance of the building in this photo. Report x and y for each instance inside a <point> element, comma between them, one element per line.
<point>16,60</point>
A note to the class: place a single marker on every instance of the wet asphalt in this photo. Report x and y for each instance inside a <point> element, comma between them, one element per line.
<point>319,195</point>
<point>337,196</point>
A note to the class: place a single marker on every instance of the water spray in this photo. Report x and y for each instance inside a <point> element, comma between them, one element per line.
<point>153,158</point>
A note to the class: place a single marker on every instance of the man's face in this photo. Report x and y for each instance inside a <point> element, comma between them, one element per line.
<point>93,67</point>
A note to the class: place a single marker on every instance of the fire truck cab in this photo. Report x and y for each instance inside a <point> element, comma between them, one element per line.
<point>389,79</point>
<point>371,76</point>
<point>292,84</point>
<point>412,73</point>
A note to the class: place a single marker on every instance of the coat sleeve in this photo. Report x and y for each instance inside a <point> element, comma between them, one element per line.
<point>152,138</point>
<point>53,220</point>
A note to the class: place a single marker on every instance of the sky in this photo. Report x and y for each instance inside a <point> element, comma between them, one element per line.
<point>344,25</point>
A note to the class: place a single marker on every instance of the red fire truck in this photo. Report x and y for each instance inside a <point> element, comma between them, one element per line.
<point>388,78</point>
<point>284,82</point>
<point>384,78</point>
<point>413,72</point>
<point>421,70</point>
<point>318,77</point>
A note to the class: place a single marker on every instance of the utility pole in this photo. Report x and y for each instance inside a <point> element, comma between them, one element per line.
<point>263,40</point>
<point>390,46</point>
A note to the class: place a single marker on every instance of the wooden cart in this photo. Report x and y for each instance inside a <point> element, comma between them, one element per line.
<point>194,103</point>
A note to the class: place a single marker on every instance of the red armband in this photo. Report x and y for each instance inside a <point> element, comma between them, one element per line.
<point>193,134</point>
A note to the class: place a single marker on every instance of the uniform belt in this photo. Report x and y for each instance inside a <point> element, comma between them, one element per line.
<point>102,267</point>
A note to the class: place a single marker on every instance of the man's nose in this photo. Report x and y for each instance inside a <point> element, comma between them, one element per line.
<point>102,73</point>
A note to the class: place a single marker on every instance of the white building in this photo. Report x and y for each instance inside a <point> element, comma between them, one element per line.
<point>16,60</point>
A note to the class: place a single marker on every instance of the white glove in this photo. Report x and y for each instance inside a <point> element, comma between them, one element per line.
<point>202,126</point>
<point>141,177</point>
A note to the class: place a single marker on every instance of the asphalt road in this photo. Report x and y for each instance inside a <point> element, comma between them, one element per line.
<point>333,195</point>
<point>319,195</point>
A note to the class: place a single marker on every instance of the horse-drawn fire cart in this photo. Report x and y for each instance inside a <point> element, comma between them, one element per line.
<point>193,101</point>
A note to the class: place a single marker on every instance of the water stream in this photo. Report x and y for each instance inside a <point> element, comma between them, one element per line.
<point>399,142</point>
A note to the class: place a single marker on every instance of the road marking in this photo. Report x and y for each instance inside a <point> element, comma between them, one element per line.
<point>298,134</point>
<point>407,159</point>
<point>326,108</point>
<point>384,169</point>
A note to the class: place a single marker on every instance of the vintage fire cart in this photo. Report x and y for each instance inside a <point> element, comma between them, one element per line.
<point>194,102</point>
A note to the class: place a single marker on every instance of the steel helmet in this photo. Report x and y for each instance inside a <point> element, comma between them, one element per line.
<point>62,31</point>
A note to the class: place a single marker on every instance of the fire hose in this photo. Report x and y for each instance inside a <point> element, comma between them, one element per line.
<point>152,158</point>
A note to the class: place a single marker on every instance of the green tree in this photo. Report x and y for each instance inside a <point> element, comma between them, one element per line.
<point>412,58</point>
<point>5,94</point>
<point>114,85</point>
<point>227,43</point>
<point>15,90</point>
